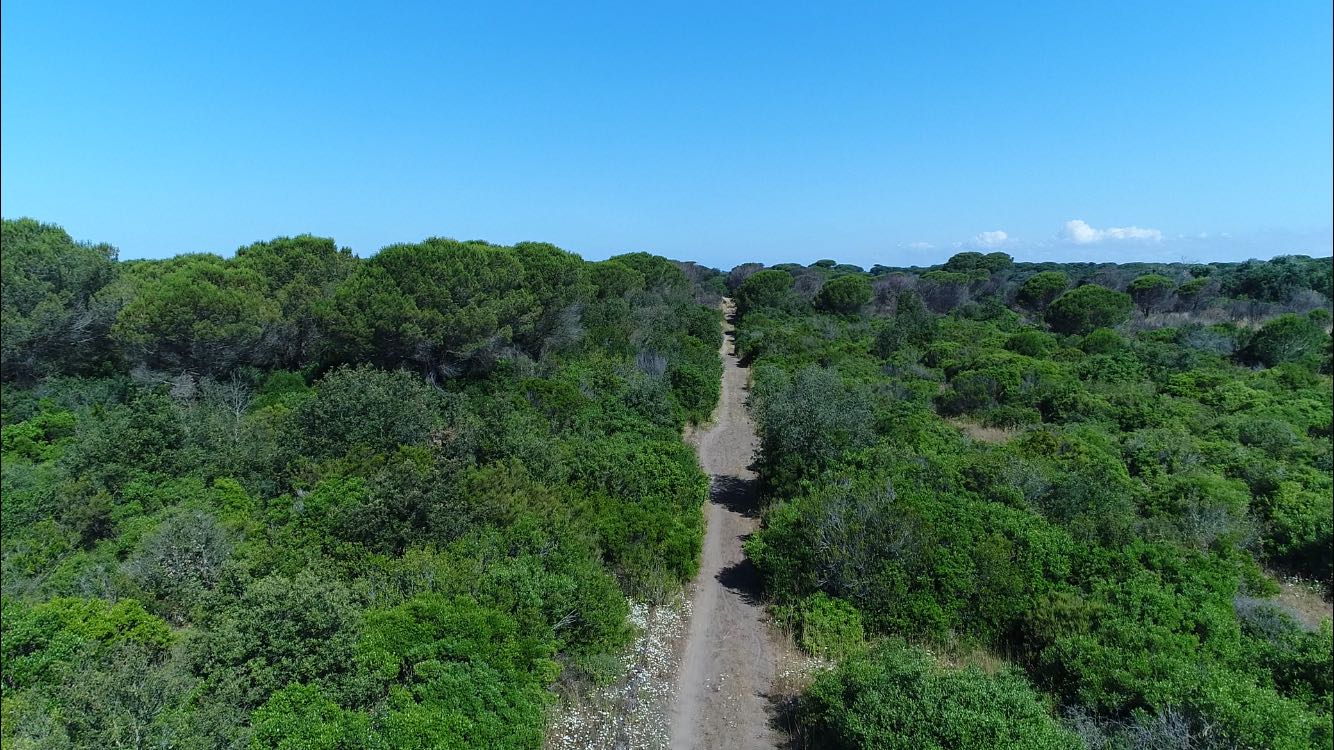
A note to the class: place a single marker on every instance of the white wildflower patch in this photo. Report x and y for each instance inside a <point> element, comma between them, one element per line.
<point>634,711</point>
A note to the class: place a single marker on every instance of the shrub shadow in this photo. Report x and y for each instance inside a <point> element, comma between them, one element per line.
<point>736,494</point>
<point>742,579</point>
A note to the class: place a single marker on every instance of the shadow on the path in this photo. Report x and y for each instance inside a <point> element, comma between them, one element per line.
<point>736,494</point>
<point>741,579</point>
<point>730,335</point>
<point>782,709</point>
<point>739,496</point>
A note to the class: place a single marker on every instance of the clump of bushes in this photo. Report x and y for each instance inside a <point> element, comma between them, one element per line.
<point>900,697</point>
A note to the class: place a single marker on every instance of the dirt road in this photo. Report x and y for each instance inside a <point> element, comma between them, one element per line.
<point>730,656</point>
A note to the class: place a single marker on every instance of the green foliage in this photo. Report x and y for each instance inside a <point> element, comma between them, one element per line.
<point>647,498</point>
<point>1002,379</point>
<point>129,696</point>
<point>362,406</point>
<point>466,676</point>
<point>1287,338</point>
<point>660,275</point>
<point>1031,343</point>
<point>1278,279</point>
<point>39,438</point>
<point>338,554</point>
<point>301,717</point>
<point>281,630</point>
<point>1091,306</point>
<point>695,372</point>
<point>180,561</point>
<point>614,279</point>
<point>763,289</point>
<point>1300,531</point>
<point>300,274</point>
<point>1193,287</point>
<point>122,442</point>
<point>443,306</point>
<point>1102,341</point>
<point>195,313</point>
<point>844,295</point>
<point>39,639</point>
<point>955,278</point>
<point>898,697</point>
<point>827,627</point>
<point>1150,291</point>
<point>909,561</point>
<point>996,261</point>
<point>912,325</point>
<point>1251,715</point>
<point>297,499</point>
<point>1038,291</point>
<point>52,318</point>
<point>970,260</point>
<point>806,421</point>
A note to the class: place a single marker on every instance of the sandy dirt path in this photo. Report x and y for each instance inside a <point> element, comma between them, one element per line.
<point>730,657</point>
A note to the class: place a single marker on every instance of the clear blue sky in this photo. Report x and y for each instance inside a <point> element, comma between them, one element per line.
<point>722,132</point>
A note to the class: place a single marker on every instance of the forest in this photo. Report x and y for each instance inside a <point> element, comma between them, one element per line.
<point>293,498</point>
<point>1047,506</point>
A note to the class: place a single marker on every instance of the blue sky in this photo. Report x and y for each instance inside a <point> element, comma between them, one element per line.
<point>893,133</point>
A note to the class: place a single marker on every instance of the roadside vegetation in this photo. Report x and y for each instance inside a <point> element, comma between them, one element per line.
<point>297,499</point>
<point>1043,505</point>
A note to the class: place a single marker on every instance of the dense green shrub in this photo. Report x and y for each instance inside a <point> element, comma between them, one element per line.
<point>52,318</point>
<point>844,295</point>
<point>201,314</point>
<point>1087,307</point>
<point>298,499</point>
<point>299,273</point>
<point>303,717</point>
<point>898,697</point>
<point>1278,279</point>
<point>762,289</point>
<point>444,307</point>
<point>1150,291</point>
<point>1287,338</point>
<point>912,325</point>
<point>38,640</point>
<point>1040,289</point>
<point>806,421</point>
<point>1102,341</point>
<point>971,260</point>
<point>1031,343</point>
<point>909,562</point>
<point>463,675</point>
<point>365,407</point>
<point>827,627</point>
<point>281,631</point>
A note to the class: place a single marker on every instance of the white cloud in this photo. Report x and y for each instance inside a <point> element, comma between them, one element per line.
<point>920,245</point>
<point>1079,232</point>
<point>993,238</point>
<point>1132,233</point>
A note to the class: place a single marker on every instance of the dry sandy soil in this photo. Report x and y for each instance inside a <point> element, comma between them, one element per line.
<point>731,658</point>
